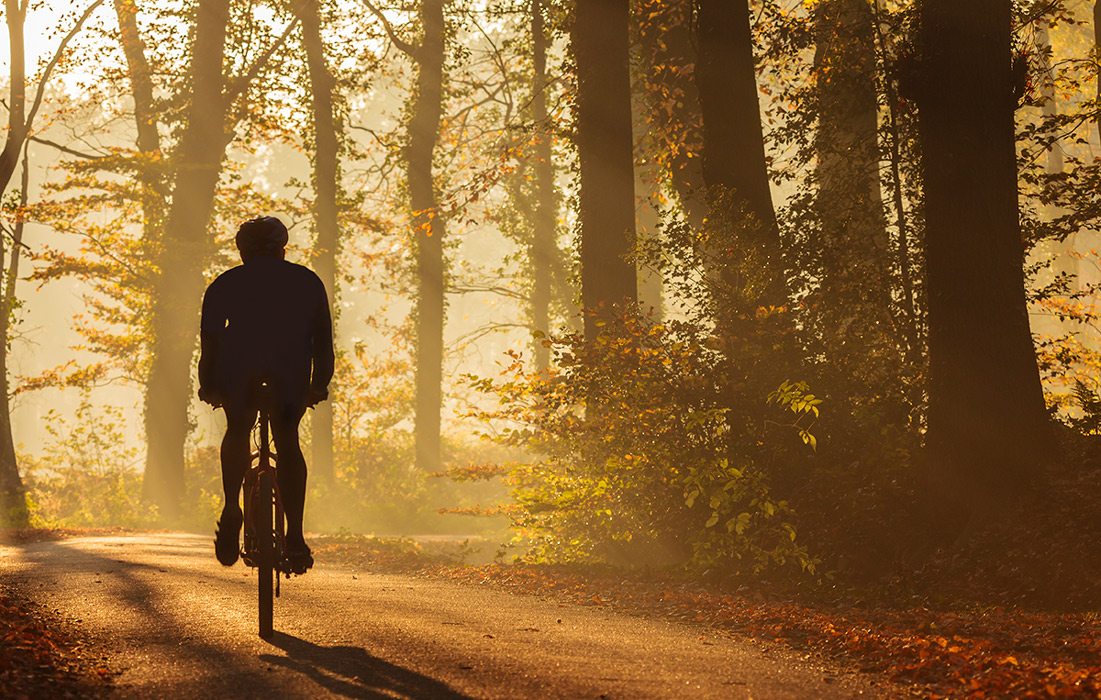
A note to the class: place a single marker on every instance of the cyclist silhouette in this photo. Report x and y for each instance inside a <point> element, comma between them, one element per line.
<point>265,320</point>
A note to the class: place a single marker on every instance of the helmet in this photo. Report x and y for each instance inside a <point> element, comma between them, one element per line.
<point>262,235</point>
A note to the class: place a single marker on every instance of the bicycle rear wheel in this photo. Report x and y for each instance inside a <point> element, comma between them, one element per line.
<point>265,534</point>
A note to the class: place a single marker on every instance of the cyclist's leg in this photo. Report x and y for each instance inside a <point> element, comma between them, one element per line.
<point>291,470</point>
<point>236,452</point>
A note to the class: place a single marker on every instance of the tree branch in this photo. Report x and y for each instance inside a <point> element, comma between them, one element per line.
<point>65,149</point>
<point>240,84</point>
<point>404,46</point>
<point>55,59</point>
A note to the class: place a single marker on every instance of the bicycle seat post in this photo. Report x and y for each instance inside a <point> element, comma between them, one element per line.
<point>264,399</point>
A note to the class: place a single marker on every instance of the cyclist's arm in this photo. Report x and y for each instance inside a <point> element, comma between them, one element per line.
<point>211,327</point>
<point>323,355</point>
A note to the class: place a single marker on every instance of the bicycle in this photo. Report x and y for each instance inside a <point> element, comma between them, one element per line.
<point>264,545</point>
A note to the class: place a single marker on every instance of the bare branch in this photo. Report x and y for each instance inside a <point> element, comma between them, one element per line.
<point>240,84</point>
<point>65,149</point>
<point>55,59</point>
<point>403,45</point>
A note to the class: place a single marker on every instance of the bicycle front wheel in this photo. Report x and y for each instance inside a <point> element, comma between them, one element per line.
<point>265,534</point>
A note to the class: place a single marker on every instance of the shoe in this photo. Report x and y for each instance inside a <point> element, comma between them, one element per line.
<point>227,538</point>
<point>298,559</point>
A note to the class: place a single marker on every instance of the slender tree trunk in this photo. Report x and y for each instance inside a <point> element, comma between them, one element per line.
<point>1097,50</point>
<point>326,181</point>
<point>428,232</point>
<point>12,494</point>
<point>852,308</point>
<point>647,217</point>
<point>651,292</point>
<point>607,197</point>
<point>181,260</point>
<point>666,70</point>
<point>146,119</point>
<point>13,509</point>
<point>544,254</point>
<point>908,302</point>
<point>1050,106</point>
<point>734,167</point>
<point>987,427</point>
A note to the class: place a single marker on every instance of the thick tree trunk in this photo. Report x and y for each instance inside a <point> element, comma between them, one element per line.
<point>13,508</point>
<point>607,197</point>
<point>987,426</point>
<point>543,255</point>
<point>326,181</point>
<point>735,171</point>
<point>428,233</point>
<point>181,260</point>
<point>851,309</point>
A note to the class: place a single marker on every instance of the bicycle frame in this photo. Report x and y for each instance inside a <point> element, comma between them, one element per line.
<point>264,541</point>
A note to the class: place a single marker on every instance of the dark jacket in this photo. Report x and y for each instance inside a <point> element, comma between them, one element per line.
<point>266,319</point>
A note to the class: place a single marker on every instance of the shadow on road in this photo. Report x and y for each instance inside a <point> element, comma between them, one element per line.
<point>352,672</point>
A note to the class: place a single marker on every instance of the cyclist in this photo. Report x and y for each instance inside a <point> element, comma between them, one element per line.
<point>265,320</point>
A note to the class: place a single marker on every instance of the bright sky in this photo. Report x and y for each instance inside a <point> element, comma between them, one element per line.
<point>41,24</point>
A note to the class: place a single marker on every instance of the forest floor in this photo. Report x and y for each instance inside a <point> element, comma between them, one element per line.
<point>367,622</point>
<point>417,619</point>
<point>935,649</point>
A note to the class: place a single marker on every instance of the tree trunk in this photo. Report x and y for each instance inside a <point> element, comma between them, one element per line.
<point>651,292</point>
<point>326,181</point>
<point>908,302</point>
<point>543,255</point>
<point>13,506</point>
<point>181,261</point>
<point>606,197</point>
<point>154,191</point>
<point>13,502</point>
<point>851,309</point>
<point>647,216</point>
<point>735,170</point>
<point>987,426</point>
<point>428,233</point>
<point>667,59</point>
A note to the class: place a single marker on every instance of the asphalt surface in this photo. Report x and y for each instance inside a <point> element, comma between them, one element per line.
<point>175,624</point>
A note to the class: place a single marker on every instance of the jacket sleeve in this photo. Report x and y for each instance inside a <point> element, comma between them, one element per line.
<point>324,358</point>
<point>211,327</point>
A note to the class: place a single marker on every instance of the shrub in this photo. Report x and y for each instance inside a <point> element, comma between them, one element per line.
<point>87,474</point>
<point>634,458</point>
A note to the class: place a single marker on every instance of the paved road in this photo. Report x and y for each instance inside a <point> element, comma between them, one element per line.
<point>175,624</point>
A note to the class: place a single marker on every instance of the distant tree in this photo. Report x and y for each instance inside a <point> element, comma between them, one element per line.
<point>544,255</point>
<point>184,251</point>
<point>186,246</point>
<point>429,225</point>
<point>650,183</point>
<point>987,426</point>
<point>852,306</point>
<point>606,214</point>
<point>21,118</point>
<point>666,50</point>
<point>326,182</point>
